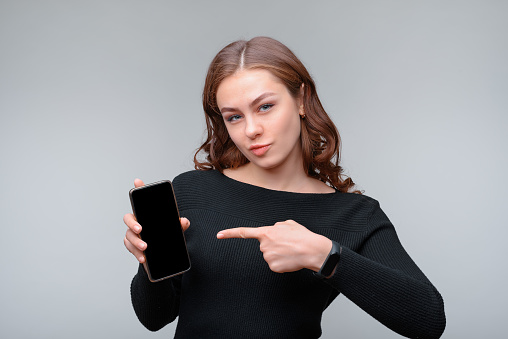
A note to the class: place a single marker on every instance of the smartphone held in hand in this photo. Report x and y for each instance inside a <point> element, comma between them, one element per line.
<point>154,206</point>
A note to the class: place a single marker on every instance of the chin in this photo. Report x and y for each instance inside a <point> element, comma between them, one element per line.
<point>266,165</point>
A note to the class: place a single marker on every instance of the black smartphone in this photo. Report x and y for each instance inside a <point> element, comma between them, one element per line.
<point>154,206</point>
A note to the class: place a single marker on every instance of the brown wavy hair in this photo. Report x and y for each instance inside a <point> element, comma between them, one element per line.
<point>319,136</point>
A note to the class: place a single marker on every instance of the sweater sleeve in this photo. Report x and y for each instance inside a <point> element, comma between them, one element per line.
<point>383,280</point>
<point>155,304</point>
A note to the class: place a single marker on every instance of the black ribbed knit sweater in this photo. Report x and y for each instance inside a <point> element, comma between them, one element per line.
<point>230,292</point>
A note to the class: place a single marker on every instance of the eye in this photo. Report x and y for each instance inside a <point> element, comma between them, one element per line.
<point>233,118</point>
<point>265,107</point>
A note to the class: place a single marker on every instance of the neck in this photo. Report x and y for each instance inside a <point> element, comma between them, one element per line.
<point>282,178</point>
<point>289,176</point>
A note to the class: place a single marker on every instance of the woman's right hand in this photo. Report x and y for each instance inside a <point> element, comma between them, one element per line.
<point>132,241</point>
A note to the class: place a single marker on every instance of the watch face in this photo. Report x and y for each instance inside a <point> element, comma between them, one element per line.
<point>330,264</point>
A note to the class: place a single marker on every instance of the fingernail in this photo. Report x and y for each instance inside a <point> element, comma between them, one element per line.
<point>220,235</point>
<point>141,259</point>
<point>142,245</point>
<point>137,228</point>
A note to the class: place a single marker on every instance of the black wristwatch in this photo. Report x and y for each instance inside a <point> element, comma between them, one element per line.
<point>330,263</point>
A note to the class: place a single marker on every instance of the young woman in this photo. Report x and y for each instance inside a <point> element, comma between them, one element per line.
<point>277,230</point>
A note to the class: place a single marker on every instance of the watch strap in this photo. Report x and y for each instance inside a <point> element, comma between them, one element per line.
<point>330,263</point>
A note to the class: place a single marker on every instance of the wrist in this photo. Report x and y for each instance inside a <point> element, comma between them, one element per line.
<point>319,252</point>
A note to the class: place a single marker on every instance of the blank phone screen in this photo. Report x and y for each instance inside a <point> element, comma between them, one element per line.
<point>156,211</point>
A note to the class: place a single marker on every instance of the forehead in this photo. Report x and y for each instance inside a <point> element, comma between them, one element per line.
<point>247,85</point>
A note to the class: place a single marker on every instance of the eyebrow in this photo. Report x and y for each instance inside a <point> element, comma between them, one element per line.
<point>252,104</point>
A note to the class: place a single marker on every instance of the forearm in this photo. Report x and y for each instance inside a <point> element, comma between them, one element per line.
<point>155,304</point>
<point>409,306</point>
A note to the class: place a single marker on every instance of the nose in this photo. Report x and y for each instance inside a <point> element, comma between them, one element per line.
<point>253,127</point>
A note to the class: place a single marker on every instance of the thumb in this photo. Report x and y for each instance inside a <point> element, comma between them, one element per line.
<point>185,223</point>
<point>138,183</point>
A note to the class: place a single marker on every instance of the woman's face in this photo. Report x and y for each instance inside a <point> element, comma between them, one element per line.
<point>262,118</point>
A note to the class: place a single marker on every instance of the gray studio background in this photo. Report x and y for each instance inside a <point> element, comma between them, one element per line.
<point>96,93</point>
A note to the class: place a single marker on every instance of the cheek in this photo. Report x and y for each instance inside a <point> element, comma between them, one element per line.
<point>293,127</point>
<point>233,135</point>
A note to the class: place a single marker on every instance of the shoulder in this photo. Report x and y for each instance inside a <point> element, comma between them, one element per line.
<point>374,218</point>
<point>196,187</point>
<point>347,211</point>
<point>196,177</point>
<point>358,202</point>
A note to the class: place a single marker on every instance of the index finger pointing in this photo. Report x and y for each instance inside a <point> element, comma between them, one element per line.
<point>240,232</point>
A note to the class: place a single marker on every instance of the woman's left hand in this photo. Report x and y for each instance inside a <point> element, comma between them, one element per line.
<point>287,246</point>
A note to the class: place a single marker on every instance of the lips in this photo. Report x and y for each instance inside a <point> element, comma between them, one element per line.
<point>259,150</point>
